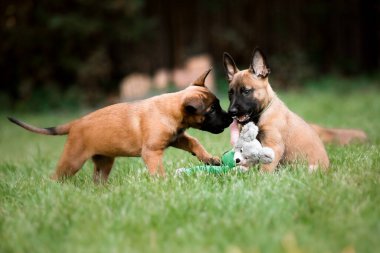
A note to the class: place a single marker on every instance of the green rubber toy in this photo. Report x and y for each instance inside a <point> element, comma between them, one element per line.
<point>227,164</point>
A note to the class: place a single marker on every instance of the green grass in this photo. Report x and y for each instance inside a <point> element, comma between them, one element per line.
<point>288,211</point>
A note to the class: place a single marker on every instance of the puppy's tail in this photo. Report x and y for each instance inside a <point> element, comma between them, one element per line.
<point>58,130</point>
<point>340,136</point>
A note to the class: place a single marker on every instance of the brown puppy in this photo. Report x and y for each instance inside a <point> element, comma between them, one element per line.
<point>252,99</point>
<point>144,128</point>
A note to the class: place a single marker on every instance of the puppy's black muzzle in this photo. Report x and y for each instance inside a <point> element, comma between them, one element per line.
<point>216,123</point>
<point>242,108</point>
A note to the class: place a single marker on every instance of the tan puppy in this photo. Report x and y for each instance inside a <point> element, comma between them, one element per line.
<point>252,99</point>
<point>144,128</point>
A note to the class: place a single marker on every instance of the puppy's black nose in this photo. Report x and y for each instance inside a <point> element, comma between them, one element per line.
<point>233,111</point>
<point>237,160</point>
<point>228,119</point>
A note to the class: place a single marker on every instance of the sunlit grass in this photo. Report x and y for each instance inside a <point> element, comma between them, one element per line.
<point>282,212</point>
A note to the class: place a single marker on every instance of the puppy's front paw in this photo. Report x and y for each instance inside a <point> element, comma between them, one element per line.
<point>213,160</point>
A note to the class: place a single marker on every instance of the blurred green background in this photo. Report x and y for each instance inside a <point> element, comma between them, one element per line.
<point>69,53</point>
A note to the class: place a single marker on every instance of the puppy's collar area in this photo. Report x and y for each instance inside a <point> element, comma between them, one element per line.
<point>266,108</point>
<point>257,116</point>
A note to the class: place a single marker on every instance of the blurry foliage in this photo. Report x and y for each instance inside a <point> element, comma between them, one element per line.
<point>89,46</point>
<point>58,44</point>
<point>47,99</point>
<point>344,85</point>
<point>291,69</point>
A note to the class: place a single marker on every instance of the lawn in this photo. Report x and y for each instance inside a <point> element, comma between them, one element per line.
<point>287,211</point>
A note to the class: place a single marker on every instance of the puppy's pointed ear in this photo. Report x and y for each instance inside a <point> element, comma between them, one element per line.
<point>259,66</point>
<point>193,105</point>
<point>229,66</point>
<point>200,81</point>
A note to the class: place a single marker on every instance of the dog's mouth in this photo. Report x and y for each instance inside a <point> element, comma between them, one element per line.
<point>243,119</point>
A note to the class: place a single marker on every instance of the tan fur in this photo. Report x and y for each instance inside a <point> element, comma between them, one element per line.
<point>340,136</point>
<point>144,128</point>
<point>290,137</point>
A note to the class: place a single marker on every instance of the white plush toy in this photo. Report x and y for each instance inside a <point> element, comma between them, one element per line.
<point>246,153</point>
<point>248,150</point>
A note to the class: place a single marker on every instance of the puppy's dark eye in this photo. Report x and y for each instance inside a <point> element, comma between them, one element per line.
<point>245,91</point>
<point>212,108</point>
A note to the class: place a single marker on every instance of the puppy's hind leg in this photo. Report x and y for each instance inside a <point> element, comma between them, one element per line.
<point>102,169</point>
<point>71,161</point>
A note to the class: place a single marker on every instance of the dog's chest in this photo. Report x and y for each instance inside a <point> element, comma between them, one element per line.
<point>177,135</point>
